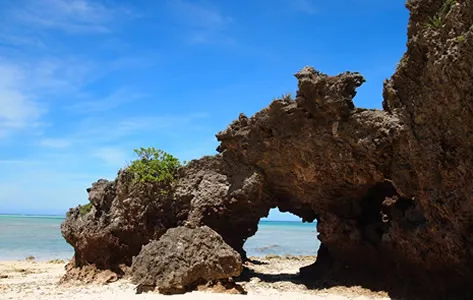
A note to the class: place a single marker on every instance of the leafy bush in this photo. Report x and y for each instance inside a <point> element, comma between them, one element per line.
<point>154,165</point>
<point>83,209</point>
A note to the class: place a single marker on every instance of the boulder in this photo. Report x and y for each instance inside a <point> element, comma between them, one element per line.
<point>183,258</point>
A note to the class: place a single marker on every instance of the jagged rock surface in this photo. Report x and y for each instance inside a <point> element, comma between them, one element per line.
<point>226,195</point>
<point>391,189</point>
<point>184,257</point>
<point>432,92</point>
<point>124,216</point>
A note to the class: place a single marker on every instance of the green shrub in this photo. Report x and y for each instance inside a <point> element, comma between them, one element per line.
<point>83,209</point>
<point>154,165</point>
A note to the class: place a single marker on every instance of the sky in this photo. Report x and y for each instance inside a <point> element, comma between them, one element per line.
<point>84,82</point>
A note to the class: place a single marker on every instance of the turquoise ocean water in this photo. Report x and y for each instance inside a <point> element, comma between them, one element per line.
<point>40,236</point>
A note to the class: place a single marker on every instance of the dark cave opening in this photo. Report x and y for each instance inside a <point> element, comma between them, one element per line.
<point>371,220</point>
<point>380,206</point>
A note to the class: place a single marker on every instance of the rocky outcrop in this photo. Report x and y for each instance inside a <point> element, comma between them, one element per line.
<point>432,93</point>
<point>124,216</point>
<point>391,189</point>
<point>184,257</point>
<point>225,195</point>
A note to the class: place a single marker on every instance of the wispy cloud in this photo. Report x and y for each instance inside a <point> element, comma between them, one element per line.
<point>96,131</point>
<point>161,121</point>
<point>22,162</point>
<point>116,99</point>
<point>65,73</point>
<point>95,136</point>
<point>112,156</point>
<point>305,6</point>
<point>29,85</point>
<point>206,23</point>
<point>16,40</point>
<point>56,143</point>
<point>71,16</point>
<point>19,110</point>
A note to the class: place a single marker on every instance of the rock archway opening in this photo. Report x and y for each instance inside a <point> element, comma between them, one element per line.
<point>281,246</point>
<point>283,234</point>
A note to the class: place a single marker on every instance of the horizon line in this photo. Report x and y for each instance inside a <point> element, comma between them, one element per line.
<point>64,216</point>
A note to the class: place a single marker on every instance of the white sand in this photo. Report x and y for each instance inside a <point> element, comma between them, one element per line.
<point>39,280</point>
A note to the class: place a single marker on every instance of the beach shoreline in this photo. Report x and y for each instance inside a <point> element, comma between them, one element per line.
<point>270,277</point>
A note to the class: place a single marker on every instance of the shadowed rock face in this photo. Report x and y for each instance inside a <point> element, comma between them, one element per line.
<point>392,190</point>
<point>432,92</point>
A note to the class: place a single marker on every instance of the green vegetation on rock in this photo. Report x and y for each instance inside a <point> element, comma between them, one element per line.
<point>84,209</point>
<point>436,21</point>
<point>447,5</point>
<point>154,165</point>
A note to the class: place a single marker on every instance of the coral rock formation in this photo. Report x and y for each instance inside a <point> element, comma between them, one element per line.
<point>124,216</point>
<point>184,257</point>
<point>391,189</point>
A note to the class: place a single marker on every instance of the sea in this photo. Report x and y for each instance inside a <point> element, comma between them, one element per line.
<point>40,236</point>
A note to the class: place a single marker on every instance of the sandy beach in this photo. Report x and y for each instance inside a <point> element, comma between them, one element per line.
<point>267,278</point>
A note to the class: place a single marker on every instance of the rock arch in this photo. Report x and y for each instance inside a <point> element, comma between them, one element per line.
<point>391,189</point>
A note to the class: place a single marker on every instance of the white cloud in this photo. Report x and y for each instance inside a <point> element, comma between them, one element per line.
<point>18,162</point>
<point>96,131</point>
<point>29,86</point>
<point>200,16</point>
<point>306,6</point>
<point>56,143</point>
<point>112,156</point>
<point>19,110</point>
<point>31,81</point>
<point>72,16</point>
<point>64,73</point>
<point>116,99</point>
<point>207,24</point>
<point>16,40</point>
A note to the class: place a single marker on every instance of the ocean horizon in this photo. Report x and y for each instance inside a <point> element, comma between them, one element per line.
<point>24,235</point>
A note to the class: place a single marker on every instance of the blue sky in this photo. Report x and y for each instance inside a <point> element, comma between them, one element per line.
<point>84,82</point>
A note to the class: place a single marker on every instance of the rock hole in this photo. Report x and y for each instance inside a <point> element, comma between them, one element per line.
<point>282,245</point>
<point>282,234</point>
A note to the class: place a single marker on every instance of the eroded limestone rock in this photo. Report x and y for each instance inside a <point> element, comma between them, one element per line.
<point>392,190</point>
<point>124,216</point>
<point>184,257</point>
